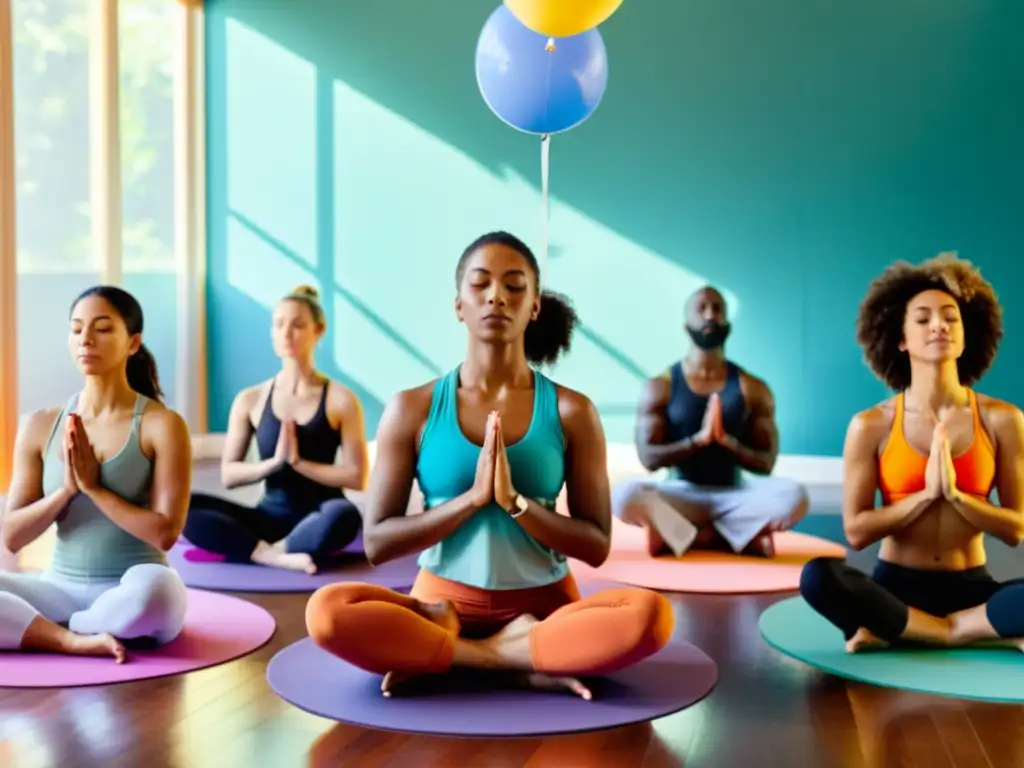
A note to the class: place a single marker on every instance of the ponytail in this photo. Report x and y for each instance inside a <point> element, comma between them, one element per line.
<point>142,374</point>
<point>550,334</point>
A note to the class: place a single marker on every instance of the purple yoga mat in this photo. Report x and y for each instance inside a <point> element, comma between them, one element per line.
<point>198,569</point>
<point>462,704</point>
<point>196,555</point>
<point>218,628</point>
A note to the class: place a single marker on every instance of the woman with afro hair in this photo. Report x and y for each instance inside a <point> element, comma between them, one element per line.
<point>934,451</point>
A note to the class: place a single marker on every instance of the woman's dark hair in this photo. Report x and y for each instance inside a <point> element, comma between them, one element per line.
<point>550,334</point>
<point>883,311</point>
<point>142,373</point>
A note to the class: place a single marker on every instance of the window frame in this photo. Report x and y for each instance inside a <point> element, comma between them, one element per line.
<point>106,201</point>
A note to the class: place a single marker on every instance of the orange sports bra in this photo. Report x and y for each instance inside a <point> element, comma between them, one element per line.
<point>901,467</point>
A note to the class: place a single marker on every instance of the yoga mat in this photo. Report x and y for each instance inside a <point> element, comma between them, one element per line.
<point>464,704</point>
<point>198,571</point>
<point>195,554</point>
<point>795,629</point>
<point>218,628</point>
<point>705,571</point>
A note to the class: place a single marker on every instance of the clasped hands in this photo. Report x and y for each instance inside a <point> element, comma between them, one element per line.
<point>493,481</point>
<point>287,449</point>
<point>81,467</point>
<point>712,430</point>
<point>940,474</point>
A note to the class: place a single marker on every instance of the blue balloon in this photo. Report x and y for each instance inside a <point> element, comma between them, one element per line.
<point>534,89</point>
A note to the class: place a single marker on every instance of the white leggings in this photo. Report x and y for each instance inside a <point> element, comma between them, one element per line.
<point>149,601</point>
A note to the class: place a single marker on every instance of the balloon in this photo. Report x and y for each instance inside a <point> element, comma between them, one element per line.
<point>535,87</point>
<point>562,18</point>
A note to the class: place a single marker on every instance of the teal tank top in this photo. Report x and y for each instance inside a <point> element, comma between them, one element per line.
<point>490,550</point>
<point>89,546</point>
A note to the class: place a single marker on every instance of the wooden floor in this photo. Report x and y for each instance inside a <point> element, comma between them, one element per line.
<point>765,711</point>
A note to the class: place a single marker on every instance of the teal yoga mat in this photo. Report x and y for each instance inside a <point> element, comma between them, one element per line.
<point>793,628</point>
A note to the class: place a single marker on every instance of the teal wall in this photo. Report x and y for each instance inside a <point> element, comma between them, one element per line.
<point>784,151</point>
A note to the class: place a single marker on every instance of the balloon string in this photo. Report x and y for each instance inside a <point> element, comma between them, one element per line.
<point>545,206</point>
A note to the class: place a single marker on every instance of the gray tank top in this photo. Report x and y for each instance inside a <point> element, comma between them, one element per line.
<point>90,547</point>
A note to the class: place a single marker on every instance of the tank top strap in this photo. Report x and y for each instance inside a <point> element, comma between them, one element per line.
<point>897,420</point>
<point>980,433</point>
<point>68,407</point>
<point>140,408</point>
<point>444,408</point>
<point>545,399</point>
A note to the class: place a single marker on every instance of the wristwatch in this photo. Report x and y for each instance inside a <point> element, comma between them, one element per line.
<point>519,506</point>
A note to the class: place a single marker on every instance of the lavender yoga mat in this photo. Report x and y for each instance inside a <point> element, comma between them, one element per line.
<point>218,628</point>
<point>464,704</point>
<point>205,570</point>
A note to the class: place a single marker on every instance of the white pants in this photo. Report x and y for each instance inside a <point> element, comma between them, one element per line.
<point>738,513</point>
<point>149,601</point>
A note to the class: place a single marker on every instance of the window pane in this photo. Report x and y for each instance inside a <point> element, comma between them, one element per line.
<point>147,32</point>
<point>54,253</point>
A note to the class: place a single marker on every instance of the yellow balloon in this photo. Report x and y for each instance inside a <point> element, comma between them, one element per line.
<point>562,18</point>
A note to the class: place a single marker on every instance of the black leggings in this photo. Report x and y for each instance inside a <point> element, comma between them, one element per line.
<point>880,603</point>
<point>233,530</point>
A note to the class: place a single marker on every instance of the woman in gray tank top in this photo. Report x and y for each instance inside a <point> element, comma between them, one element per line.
<point>112,469</point>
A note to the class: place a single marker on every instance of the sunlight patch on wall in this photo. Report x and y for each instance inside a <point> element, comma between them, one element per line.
<point>259,270</point>
<point>271,131</point>
<point>396,248</point>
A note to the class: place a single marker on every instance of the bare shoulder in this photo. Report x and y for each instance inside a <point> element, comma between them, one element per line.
<point>576,411</point>
<point>340,398</point>
<point>407,410</point>
<point>872,425</point>
<point>36,428</point>
<point>160,423</point>
<point>755,388</point>
<point>248,398</point>
<point>657,390</point>
<point>1001,418</point>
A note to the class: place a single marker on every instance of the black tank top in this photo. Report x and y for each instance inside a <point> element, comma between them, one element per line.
<point>286,490</point>
<point>714,465</point>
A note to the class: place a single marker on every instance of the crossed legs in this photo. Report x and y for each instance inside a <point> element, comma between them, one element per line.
<point>679,516</point>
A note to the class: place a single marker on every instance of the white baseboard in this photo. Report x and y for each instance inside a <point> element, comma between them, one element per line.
<point>622,461</point>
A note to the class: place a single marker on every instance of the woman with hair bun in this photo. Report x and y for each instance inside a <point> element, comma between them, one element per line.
<point>300,419</point>
<point>491,444</point>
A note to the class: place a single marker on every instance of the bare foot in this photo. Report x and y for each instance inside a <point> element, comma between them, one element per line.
<point>864,641</point>
<point>763,545</point>
<point>441,613</point>
<point>97,645</point>
<point>516,634</point>
<point>393,680</point>
<point>542,682</point>
<point>275,556</point>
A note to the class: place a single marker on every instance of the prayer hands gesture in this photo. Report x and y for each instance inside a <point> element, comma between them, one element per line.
<point>493,481</point>
<point>940,474</point>
<point>712,430</point>
<point>79,457</point>
<point>287,450</point>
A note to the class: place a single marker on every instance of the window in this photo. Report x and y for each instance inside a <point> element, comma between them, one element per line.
<point>55,257</point>
<point>72,232</point>
<point>146,105</point>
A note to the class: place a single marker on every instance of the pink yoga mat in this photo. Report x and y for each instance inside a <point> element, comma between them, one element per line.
<point>218,628</point>
<point>706,572</point>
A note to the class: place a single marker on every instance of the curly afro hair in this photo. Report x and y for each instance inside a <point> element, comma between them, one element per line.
<point>882,312</point>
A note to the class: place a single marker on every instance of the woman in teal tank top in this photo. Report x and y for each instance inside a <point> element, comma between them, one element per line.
<point>491,446</point>
<point>112,470</point>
